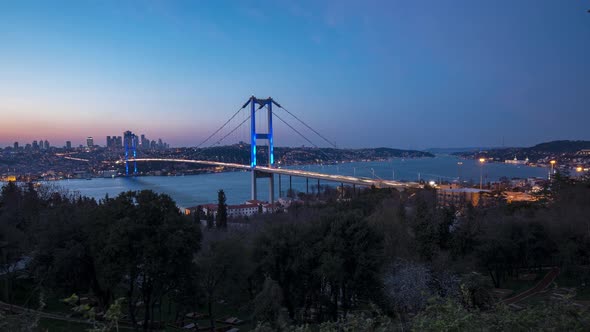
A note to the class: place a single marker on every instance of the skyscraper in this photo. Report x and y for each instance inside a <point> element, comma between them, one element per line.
<point>90,142</point>
<point>16,145</point>
<point>68,145</point>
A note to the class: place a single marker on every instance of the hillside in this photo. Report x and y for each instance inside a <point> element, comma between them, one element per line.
<point>553,149</point>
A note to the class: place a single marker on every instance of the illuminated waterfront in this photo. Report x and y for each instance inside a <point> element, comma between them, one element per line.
<point>200,189</point>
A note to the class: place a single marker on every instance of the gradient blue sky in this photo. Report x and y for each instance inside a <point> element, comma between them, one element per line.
<point>408,74</point>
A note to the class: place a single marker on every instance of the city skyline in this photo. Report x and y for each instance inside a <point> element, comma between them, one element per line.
<point>90,141</point>
<point>405,75</point>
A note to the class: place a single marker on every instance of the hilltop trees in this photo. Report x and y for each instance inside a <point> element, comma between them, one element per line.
<point>137,244</point>
<point>147,248</point>
<point>324,266</point>
<point>317,264</point>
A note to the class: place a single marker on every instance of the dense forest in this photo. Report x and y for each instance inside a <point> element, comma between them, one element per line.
<point>381,261</point>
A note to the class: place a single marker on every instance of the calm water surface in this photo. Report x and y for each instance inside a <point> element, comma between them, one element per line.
<point>200,189</point>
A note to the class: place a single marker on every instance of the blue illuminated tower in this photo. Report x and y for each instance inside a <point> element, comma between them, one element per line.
<point>255,105</point>
<point>130,144</point>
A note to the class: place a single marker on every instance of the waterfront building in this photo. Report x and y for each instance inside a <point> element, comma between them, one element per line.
<point>461,197</point>
<point>233,211</point>
<point>516,161</point>
<point>517,196</point>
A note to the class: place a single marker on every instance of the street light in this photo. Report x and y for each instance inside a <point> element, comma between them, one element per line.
<point>579,169</point>
<point>481,161</point>
<point>552,162</point>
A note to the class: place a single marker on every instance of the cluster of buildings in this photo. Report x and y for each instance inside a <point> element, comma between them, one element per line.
<point>508,191</point>
<point>140,142</point>
<point>36,145</point>
<point>112,142</point>
<point>516,161</point>
<point>247,209</point>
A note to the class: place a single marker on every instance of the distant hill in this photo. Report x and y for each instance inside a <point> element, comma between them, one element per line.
<point>240,153</point>
<point>539,151</point>
<point>561,146</point>
<point>457,150</point>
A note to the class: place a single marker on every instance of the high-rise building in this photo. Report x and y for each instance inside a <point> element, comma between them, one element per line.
<point>68,145</point>
<point>46,145</point>
<point>90,142</point>
<point>119,142</point>
<point>109,142</point>
<point>16,145</point>
<point>35,145</point>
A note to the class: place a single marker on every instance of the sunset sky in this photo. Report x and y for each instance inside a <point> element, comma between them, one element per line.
<point>407,74</point>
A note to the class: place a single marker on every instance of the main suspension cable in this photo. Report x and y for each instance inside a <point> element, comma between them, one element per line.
<point>218,130</point>
<point>300,134</point>
<point>309,127</point>
<point>236,128</point>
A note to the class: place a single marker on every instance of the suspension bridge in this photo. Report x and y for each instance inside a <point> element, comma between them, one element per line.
<point>266,136</point>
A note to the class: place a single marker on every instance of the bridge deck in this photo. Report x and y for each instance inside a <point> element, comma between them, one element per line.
<point>379,183</point>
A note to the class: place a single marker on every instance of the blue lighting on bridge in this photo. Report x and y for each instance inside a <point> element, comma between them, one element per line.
<point>253,101</point>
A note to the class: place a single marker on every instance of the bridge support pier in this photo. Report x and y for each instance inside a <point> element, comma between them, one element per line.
<point>280,190</point>
<point>253,195</point>
<point>307,185</point>
<point>318,188</point>
<point>271,191</point>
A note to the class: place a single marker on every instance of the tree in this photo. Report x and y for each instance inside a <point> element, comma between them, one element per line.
<point>12,235</point>
<point>426,230</point>
<point>147,247</point>
<point>221,218</point>
<point>222,271</point>
<point>267,304</point>
<point>322,266</point>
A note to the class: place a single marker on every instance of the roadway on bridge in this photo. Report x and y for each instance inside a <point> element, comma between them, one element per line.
<point>379,183</point>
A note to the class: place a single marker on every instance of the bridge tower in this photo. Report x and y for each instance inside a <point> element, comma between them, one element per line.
<point>255,105</point>
<point>130,143</point>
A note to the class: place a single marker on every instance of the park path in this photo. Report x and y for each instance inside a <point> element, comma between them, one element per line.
<point>540,286</point>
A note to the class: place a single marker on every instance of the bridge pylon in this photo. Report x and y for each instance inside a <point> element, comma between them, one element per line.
<point>130,144</point>
<point>255,105</point>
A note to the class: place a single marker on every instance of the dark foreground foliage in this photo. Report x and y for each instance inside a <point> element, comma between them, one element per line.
<point>382,261</point>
